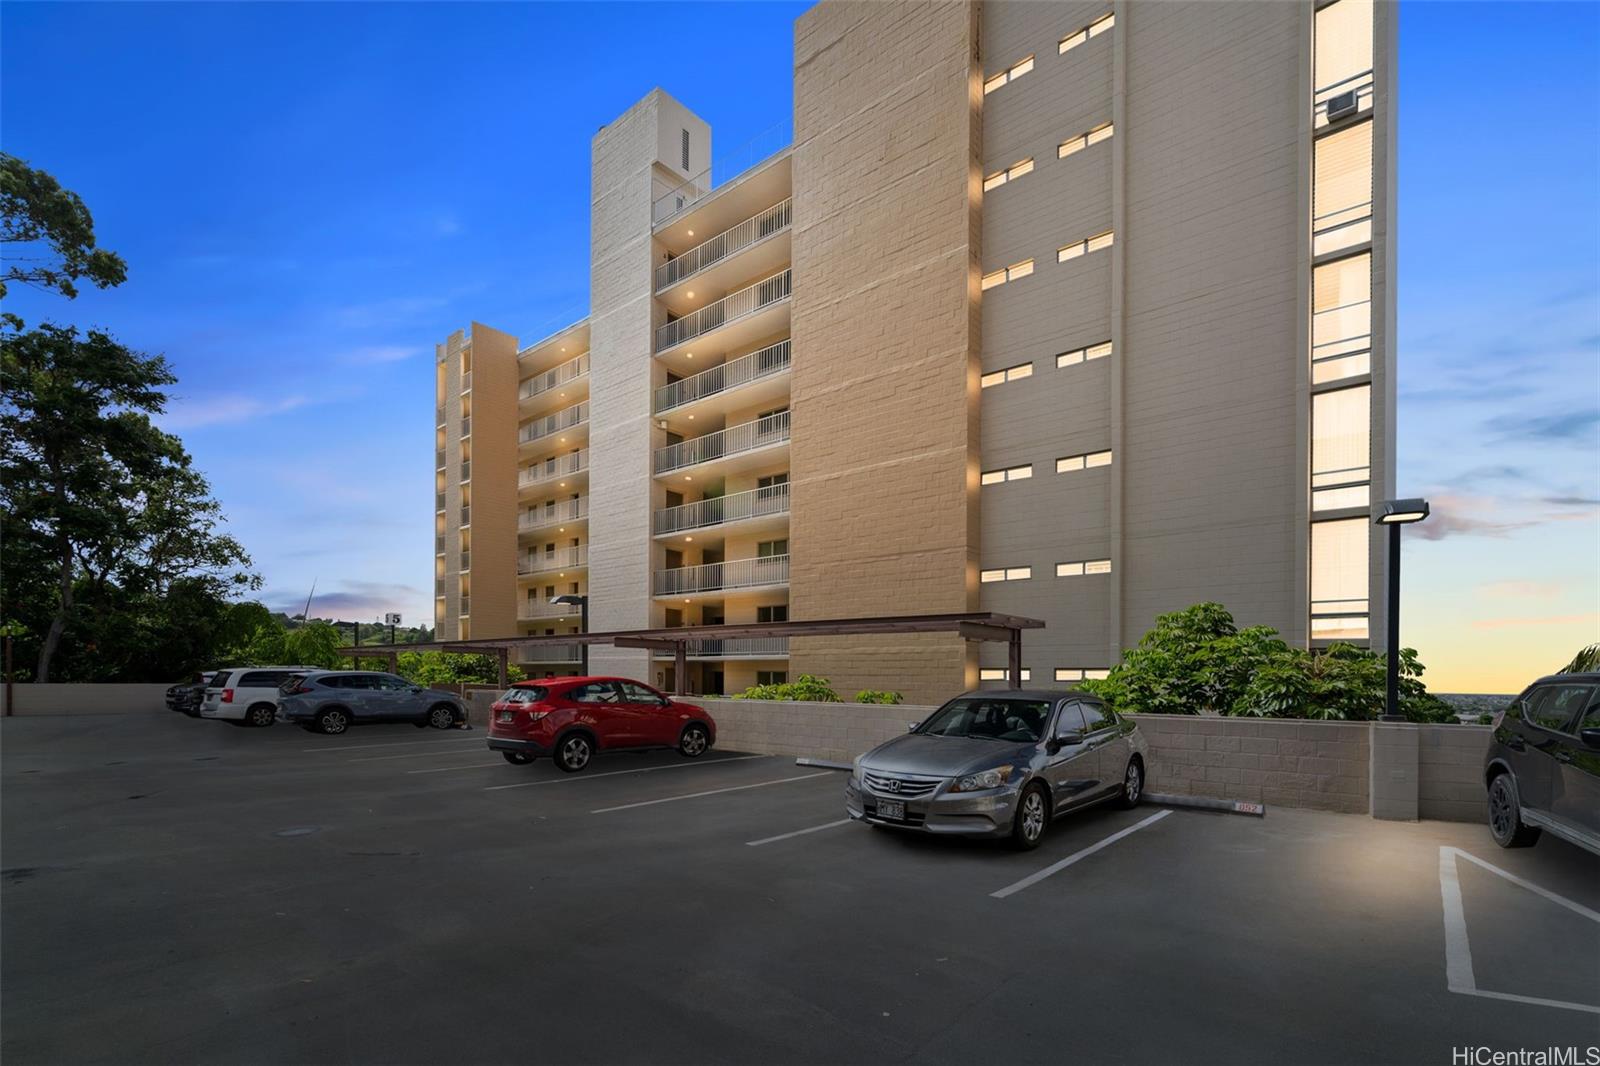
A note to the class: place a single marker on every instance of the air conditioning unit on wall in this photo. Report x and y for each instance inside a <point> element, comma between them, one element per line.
<point>1342,105</point>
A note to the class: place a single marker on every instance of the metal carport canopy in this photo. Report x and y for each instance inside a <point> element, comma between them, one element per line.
<point>977,625</point>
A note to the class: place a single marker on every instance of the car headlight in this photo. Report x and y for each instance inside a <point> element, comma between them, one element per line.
<point>855,772</point>
<point>986,779</point>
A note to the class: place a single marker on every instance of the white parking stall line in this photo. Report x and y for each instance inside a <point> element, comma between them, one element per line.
<point>796,833</point>
<point>330,748</point>
<point>447,753</point>
<point>466,766</point>
<point>1055,868</point>
<point>617,773</point>
<point>712,792</point>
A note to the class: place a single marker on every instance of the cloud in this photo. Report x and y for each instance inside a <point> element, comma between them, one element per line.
<point>1521,590</point>
<point>1571,426</point>
<point>351,600</point>
<point>1454,514</point>
<point>196,411</point>
<point>1572,501</point>
<point>377,354</point>
<point>1538,620</point>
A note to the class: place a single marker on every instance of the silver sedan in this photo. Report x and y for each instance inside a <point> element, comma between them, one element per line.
<point>1000,764</point>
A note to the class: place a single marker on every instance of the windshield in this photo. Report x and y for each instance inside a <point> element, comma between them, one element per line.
<point>525,694</point>
<point>1020,721</point>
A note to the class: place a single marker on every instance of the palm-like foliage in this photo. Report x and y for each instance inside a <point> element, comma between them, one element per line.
<point>1584,662</point>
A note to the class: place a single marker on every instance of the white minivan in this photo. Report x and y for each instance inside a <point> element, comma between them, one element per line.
<point>247,694</point>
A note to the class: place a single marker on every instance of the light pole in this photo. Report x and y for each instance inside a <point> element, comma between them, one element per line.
<point>1394,514</point>
<point>573,599</point>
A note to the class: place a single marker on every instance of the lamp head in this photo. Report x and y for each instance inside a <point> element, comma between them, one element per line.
<point>1401,512</point>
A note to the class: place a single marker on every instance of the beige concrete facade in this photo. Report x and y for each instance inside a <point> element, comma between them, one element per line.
<point>1078,310</point>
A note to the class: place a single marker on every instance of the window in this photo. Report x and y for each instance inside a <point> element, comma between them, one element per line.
<point>1094,29</point>
<point>393,683</point>
<point>1010,373</point>
<point>1081,355</point>
<point>1010,273</point>
<point>262,679</point>
<point>1341,318</point>
<point>632,692</point>
<point>596,692</point>
<point>1083,462</point>
<point>772,677</point>
<point>685,150</point>
<point>1084,247</point>
<point>1002,674</point>
<point>1554,706</point>
<point>1341,189</point>
<point>1094,716</point>
<point>1011,173</point>
<point>1343,55</point>
<point>1011,573</point>
<point>1339,579</point>
<point>767,549</point>
<point>1010,74</point>
<point>1014,473</point>
<point>773,612</point>
<point>1088,566</point>
<point>1341,448</point>
<point>1083,140</point>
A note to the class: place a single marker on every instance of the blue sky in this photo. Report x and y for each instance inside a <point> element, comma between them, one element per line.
<point>310,196</point>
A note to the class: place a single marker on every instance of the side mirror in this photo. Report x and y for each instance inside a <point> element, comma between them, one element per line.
<point>1591,737</point>
<point>1064,740</point>
<point>416,688</point>
<point>911,727</point>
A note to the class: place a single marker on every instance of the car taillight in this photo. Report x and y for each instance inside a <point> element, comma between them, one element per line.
<point>535,715</point>
<point>227,695</point>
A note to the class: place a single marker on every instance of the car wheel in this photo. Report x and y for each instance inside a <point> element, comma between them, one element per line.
<point>1505,815</point>
<point>261,715</point>
<point>1033,814</point>
<point>517,758</point>
<point>441,716</point>
<point>1132,786</point>
<point>574,752</point>
<point>332,722</point>
<point>694,741</point>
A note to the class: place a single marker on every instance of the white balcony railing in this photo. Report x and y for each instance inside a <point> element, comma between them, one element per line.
<point>575,415</point>
<point>754,503</point>
<point>555,377</point>
<point>715,577</point>
<point>773,359</point>
<point>735,648</point>
<point>552,514</point>
<point>560,559</point>
<point>554,467</point>
<point>745,437</point>
<point>745,301</point>
<point>540,607</point>
<point>726,167</point>
<point>730,241</point>
<point>553,653</point>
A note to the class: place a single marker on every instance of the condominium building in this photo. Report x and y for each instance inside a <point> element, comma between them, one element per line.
<point>1070,310</point>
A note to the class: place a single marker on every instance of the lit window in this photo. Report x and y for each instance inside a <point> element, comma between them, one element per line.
<point>1080,355</point>
<point>1010,573</point>
<point>1341,189</point>
<point>1096,675</point>
<point>1341,318</point>
<point>1010,273</point>
<point>1069,570</point>
<point>1011,173</point>
<point>1090,566</point>
<point>1065,674</point>
<point>1088,244</point>
<point>1094,29</point>
<point>1097,566</point>
<point>1339,579</point>
<point>1010,74</point>
<point>1094,459</point>
<point>1083,462</point>
<point>1002,674</point>
<point>1341,446</point>
<point>1014,473</point>
<point>1010,373</point>
<point>1344,43</point>
<point>1083,140</point>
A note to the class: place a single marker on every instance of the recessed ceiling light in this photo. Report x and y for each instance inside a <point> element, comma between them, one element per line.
<point>688,538</point>
<point>691,233</point>
<point>690,295</point>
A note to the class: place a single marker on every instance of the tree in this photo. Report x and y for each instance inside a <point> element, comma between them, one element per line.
<point>314,644</point>
<point>450,668</point>
<point>107,528</point>
<point>1587,660</point>
<point>36,210</point>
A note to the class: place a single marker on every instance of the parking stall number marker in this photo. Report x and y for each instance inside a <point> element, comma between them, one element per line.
<point>1055,868</point>
<point>712,792</point>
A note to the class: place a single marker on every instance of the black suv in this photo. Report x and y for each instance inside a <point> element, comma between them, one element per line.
<point>1543,766</point>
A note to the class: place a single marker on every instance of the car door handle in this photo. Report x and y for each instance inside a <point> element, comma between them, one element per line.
<point>1563,756</point>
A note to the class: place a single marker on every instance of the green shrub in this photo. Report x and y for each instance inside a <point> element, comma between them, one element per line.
<point>804,689</point>
<point>873,695</point>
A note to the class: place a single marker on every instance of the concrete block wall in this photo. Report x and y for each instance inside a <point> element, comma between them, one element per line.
<point>1450,772</point>
<point>87,698</point>
<point>838,731</point>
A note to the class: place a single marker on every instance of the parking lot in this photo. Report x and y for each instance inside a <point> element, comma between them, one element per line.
<point>183,890</point>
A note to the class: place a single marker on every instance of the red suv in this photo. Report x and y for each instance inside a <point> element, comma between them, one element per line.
<point>571,718</point>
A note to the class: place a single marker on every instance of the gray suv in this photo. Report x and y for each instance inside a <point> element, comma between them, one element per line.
<point>1000,764</point>
<point>331,701</point>
<point>1542,770</point>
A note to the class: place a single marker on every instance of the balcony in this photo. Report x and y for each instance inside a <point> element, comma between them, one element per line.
<point>554,378</point>
<point>735,373</point>
<point>556,467</point>
<point>766,572</point>
<point>735,648</point>
<point>466,560</point>
<point>727,443</point>
<point>576,415</point>
<point>538,608</point>
<point>728,243</point>
<point>553,514</point>
<point>733,165</point>
<point>438,416</point>
<point>466,515</point>
<point>466,425</point>
<point>553,653</point>
<point>561,559</point>
<point>466,381</point>
<point>732,307</point>
<point>770,501</point>
<point>466,470</point>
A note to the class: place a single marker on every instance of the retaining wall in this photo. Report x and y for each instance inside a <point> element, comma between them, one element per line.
<point>66,698</point>
<point>1450,772</point>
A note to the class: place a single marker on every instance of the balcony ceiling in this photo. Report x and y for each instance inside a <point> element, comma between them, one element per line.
<point>741,334</point>
<point>768,455</point>
<point>734,272</point>
<point>553,350</point>
<point>692,418</point>
<point>755,191</point>
<point>713,535</point>
<point>561,441</point>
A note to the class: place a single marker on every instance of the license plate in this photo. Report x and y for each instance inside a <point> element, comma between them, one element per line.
<point>895,809</point>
